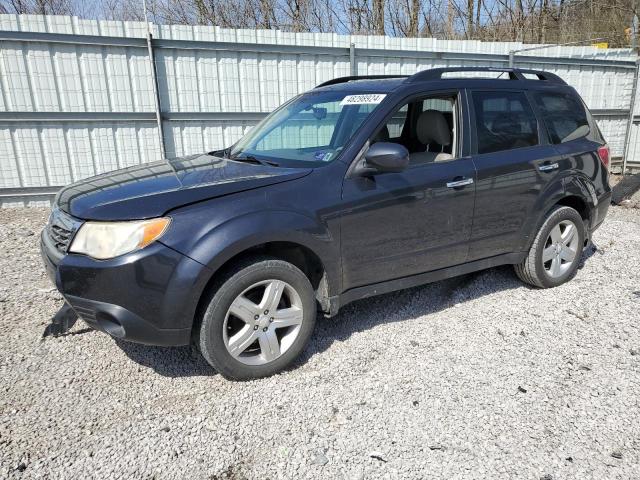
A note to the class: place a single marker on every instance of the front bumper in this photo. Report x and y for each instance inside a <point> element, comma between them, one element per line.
<point>149,296</point>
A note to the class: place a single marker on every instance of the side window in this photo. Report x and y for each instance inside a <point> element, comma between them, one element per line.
<point>353,122</point>
<point>396,124</point>
<point>426,127</point>
<point>504,121</point>
<point>392,131</point>
<point>564,115</point>
<point>441,104</point>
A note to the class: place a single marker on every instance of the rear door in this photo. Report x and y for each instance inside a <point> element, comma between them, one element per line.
<point>514,163</point>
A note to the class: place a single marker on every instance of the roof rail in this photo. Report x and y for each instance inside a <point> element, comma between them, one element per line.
<point>363,77</point>
<point>514,73</point>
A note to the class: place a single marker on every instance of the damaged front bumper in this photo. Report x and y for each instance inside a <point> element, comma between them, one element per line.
<point>148,296</point>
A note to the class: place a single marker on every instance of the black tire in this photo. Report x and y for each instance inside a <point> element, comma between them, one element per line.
<point>532,270</point>
<point>210,337</point>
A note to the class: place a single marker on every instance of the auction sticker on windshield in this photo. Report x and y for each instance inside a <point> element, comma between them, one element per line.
<point>369,98</point>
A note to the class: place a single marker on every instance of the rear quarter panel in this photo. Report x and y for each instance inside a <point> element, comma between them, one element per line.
<point>581,175</point>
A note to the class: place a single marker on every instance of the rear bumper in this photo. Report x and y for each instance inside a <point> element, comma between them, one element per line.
<point>148,296</point>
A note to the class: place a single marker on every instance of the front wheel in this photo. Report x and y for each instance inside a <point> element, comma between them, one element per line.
<point>258,320</point>
<point>555,253</point>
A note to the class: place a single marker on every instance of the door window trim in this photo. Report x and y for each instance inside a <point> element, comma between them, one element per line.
<point>544,137</point>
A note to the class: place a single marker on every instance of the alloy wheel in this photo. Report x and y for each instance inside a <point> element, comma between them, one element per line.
<point>561,248</point>
<point>263,322</point>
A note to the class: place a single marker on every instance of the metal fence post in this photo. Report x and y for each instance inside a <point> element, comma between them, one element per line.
<point>634,89</point>
<point>352,60</point>
<point>627,134</point>
<point>156,93</point>
<point>154,79</point>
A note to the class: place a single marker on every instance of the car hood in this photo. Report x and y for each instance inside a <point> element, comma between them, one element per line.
<point>150,190</point>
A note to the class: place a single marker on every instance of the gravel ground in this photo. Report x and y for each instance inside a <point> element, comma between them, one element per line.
<point>476,377</point>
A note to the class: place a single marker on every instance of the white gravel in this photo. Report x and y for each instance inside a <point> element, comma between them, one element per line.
<point>476,377</point>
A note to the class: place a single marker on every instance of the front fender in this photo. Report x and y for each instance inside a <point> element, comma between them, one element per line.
<point>216,246</point>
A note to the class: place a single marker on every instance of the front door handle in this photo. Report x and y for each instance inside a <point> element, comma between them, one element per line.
<point>460,183</point>
<point>548,166</point>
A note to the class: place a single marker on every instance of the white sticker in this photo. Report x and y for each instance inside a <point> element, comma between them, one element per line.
<point>367,98</point>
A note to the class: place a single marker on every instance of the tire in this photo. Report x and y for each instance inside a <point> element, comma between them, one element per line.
<point>544,273</point>
<point>235,320</point>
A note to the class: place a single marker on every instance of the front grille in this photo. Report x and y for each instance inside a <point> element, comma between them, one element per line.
<point>61,229</point>
<point>61,237</point>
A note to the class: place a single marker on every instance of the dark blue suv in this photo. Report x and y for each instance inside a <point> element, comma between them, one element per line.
<point>362,186</point>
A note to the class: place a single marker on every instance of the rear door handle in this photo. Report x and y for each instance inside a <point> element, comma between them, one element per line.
<point>460,183</point>
<point>548,166</point>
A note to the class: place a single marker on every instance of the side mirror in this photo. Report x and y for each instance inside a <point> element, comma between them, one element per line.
<point>385,157</point>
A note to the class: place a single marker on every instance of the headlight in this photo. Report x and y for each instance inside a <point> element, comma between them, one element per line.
<point>104,240</point>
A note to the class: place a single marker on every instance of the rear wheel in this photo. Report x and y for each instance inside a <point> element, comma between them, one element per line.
<point>258,320</point>
<point>555,253</point>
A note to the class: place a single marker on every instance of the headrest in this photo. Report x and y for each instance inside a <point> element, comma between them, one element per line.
<point>433,127</point>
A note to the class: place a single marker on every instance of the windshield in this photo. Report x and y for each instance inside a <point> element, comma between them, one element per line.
<point>311,129</point>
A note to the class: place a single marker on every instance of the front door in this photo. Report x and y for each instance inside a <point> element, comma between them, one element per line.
<point>400,224</point>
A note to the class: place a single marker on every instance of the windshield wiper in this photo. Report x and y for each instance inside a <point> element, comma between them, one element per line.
<point>224,153</point>
<point>257,161</point>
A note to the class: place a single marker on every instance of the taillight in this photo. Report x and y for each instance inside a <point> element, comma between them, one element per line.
<point>603,153</point>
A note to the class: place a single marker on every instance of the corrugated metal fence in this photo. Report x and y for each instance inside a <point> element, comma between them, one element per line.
<point>77,96</point>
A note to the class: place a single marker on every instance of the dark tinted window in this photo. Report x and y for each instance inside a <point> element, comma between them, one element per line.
<point>504,121</point>
<point>564,115</point>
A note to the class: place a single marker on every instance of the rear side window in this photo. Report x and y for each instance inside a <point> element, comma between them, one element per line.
<point>564,115</point>
<point>504,121</point>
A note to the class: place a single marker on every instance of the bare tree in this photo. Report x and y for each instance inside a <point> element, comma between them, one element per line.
<point>470,10</point>
<point>40,7</point>
<point>122,10</point>
<point>378,17</point>
<point>504,20</point>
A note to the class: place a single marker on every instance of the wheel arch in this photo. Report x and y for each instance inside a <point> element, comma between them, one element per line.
<point>575,192</point>
<point>577,203</point>
<point>298,254</point>
<point>304,241</point>
<point>580,194</point>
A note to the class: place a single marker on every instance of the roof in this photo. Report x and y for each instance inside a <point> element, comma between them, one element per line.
<point>382,85</point>
<point>387,83</point>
